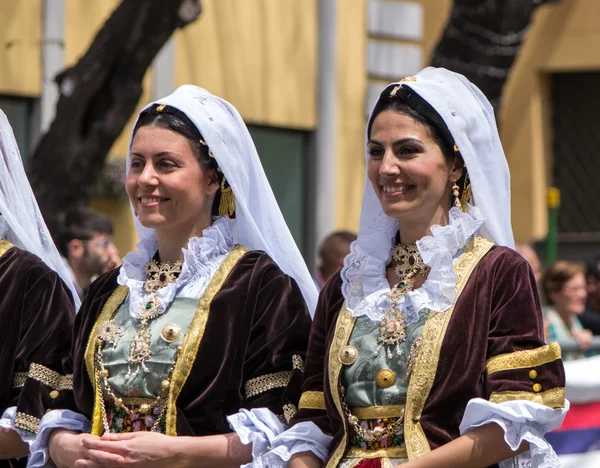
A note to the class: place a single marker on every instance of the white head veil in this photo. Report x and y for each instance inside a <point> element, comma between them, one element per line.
<point>469,117</point>
<point>259,222</point>
<point>21,222</point>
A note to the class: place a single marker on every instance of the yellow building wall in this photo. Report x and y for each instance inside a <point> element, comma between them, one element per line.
<point>261,55</point>
<point>564,37</point>
<point>20,48</point>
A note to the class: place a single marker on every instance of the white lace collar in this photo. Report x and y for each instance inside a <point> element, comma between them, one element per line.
<point>364,283</point>
<point>200,261</point>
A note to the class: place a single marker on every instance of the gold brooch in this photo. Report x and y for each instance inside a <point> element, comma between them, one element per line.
<point>160,108</point>
<point>385,378</point>
<point>170,332</point>
<point>348,355</point>
<point>110,332</point>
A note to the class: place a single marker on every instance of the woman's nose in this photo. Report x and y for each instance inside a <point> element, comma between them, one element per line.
<point>389,165</point>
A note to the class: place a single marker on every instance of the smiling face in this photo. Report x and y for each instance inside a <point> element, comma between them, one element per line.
<point>571,298</point>
<point>168,188</point>
<point>408,171</point>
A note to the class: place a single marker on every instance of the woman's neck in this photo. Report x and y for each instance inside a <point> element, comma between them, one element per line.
<point>172,242</point>
<point>411,230</point>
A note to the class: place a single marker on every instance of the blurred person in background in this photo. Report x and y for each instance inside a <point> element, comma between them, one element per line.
<point>566,292</point>
<point>590,318</point>
<point>527,252</point>
<point>331,254</point>
<point>85,242</point>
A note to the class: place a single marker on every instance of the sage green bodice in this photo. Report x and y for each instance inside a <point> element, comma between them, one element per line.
<point>146,384</point>
<point>359,378</point>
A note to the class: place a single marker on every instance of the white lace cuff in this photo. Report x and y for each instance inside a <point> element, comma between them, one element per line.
<point>8,421</point>
<point>272,444</point>
<point>56,419</point>
<point>521,421</point>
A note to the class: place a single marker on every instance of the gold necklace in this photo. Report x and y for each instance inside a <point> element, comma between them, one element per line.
<point>392,328</point>
<point>157,277</point>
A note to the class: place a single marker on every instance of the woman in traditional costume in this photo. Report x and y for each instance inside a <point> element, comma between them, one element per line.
<point>428,348</point>
<point>36,312</point>
<point>207,319</point>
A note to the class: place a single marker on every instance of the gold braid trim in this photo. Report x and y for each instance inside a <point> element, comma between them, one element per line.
<point>390,452</point>
<point>524,359</point>
<point>297,362</point>
<point>553,398</point>
<point>312,400</point>
<point>289,411</point>
<point>26,422</point>
<point>426,365</point>
<point>376,412</point>
<point>5,246</point>
<point>19,379</point>
<point>50,378</point>
<point>343,329</point>
<point>193,338</point>
<point>267,382</point>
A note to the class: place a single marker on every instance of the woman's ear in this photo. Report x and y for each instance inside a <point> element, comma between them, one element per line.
<point>456,169</point>
<point>213,184</point>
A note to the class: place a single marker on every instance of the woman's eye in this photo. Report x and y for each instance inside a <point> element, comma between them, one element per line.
<point>137,164</point>
<point>167,164</point>
<point>375,152</point>
<point>408,150</point>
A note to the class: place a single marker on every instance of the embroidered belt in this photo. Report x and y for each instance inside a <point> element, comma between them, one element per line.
<point>142,416</point>
<point>378,432</point>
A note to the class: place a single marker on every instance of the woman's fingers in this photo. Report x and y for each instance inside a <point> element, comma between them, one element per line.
<point>123,436</point>
<point>105,446</point>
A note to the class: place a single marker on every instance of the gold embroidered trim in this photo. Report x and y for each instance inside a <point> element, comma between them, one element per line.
<point>109,309</point>
<point>26,422</point>
<point>19,379</point>
<point>5,246</point>
<point>312,400</point>
<point>50,378</point>
<point>524,359</point>
<point>423,375</point>
<point>264,383</point>
<point>289,411</point>
<point>553,398</point>
<point>343,329</point>
<point>191,342</point>
<point>297,362</point>
<point>375,412</point>
<point>390,452</point>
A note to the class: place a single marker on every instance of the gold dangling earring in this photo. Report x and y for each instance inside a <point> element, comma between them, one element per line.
<point>456,194</point>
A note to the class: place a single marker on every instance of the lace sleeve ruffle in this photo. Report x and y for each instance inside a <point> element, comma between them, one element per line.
<point>8,421</point>
<point>272,443</point>
<point>56,419</point>
<point>521,421</point>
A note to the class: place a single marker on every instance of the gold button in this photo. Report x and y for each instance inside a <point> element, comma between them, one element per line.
<point>385,378</point>
<point>170,332</point>
<point>537,388</point>
<point>54,394</point>
<point>47,411</point>
<point>532,374</point>
<point>348,355</point>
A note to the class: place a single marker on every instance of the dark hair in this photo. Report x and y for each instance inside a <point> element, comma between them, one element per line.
<point>593,266</point>
<point>81,223</point>
<point>173,119</point>
<point>406,101</point>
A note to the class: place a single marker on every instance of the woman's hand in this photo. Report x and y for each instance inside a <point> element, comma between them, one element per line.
<point>583,338</point>
<point>147,449</point>
<point>67,447</point>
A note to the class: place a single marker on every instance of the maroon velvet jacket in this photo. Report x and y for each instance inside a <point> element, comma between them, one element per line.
<point>488,348</point>
<point>36,316</point>
<point>257,322</point>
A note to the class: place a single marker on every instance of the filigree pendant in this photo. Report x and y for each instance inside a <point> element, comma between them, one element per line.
<point>110,332</point>
<point>392,329</point>
<point>139,351</point>
<point>149,310</point>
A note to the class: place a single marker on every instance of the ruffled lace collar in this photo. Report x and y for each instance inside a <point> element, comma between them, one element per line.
<point>200,260</point>
<point>364,283</point>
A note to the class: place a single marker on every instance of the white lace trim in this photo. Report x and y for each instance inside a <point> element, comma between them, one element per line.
<point>201,260</point>
<point>521,421</point>
<point>364,283</point>
<point>272,444</point>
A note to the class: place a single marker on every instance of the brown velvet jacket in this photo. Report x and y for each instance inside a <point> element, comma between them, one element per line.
<point>36,316</point>
<point>253,326</point>
<point>484,347</point>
